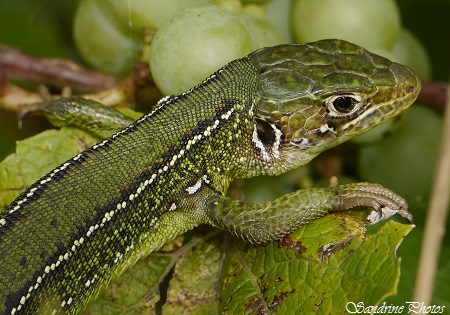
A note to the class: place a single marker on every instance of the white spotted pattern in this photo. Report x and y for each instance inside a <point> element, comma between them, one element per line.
<point>258,144</point>
<point>324,128</point>
<point>277,143</point>
<point>196,187</point>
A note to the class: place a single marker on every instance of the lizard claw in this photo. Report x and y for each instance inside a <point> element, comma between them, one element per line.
<point>404,213</point>
<point>384,202</point>
<point>382,213</point>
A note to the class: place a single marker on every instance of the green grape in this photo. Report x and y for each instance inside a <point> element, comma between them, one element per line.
<point>277,13</point>
<point>408,50</point>
<point>195,43</point>
<point>103,41</point>
<point>405,161</point>
<point>254,10</point>
<point>264,33</point>
<point>370,23</point>
<point>231,5</point>
<point>257,1</point>
<point>255,17</point>
<point>141,14</point>
<point>379,132</point>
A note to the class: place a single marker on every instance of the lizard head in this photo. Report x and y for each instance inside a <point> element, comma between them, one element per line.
<point>313,97</point>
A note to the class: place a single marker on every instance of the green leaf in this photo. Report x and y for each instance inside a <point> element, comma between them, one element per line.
<point>318,269</point>
<point>37,156</point>
<point>136,291</point>
<point>193,288</point>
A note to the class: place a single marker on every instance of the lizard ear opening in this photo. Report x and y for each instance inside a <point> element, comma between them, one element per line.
<point>265,132</point>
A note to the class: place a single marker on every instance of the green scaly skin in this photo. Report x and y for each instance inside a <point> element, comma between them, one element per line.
<point>80,226</point>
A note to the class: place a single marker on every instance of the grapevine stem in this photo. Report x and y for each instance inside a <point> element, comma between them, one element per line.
<point>436,218</point>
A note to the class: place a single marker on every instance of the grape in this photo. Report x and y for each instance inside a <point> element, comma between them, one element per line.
<point>405,161</point>
<point>277,14</point>
<point>254,17</point>
<point>379,132</point>
<point>409,51</point>
<point>254,10</point>
<point>231,5</point>
<point>195,43</point>
<point>370,24</point>
<point>257,1</point>
<point>112,47</point>
<point>264,33</point>
<point>141,14</point>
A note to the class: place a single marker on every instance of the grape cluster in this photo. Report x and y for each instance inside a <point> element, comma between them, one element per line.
<point>193,38</point>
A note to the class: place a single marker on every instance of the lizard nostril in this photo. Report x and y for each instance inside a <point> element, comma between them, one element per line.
<point>409,89</point>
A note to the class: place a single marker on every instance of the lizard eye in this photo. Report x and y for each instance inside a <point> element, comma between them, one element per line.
<point>342,105</point>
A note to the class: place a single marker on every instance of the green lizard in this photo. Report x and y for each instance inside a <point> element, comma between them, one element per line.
<point>81,225</point>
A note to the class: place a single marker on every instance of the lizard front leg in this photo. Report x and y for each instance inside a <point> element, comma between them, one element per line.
<point>259,223</point>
